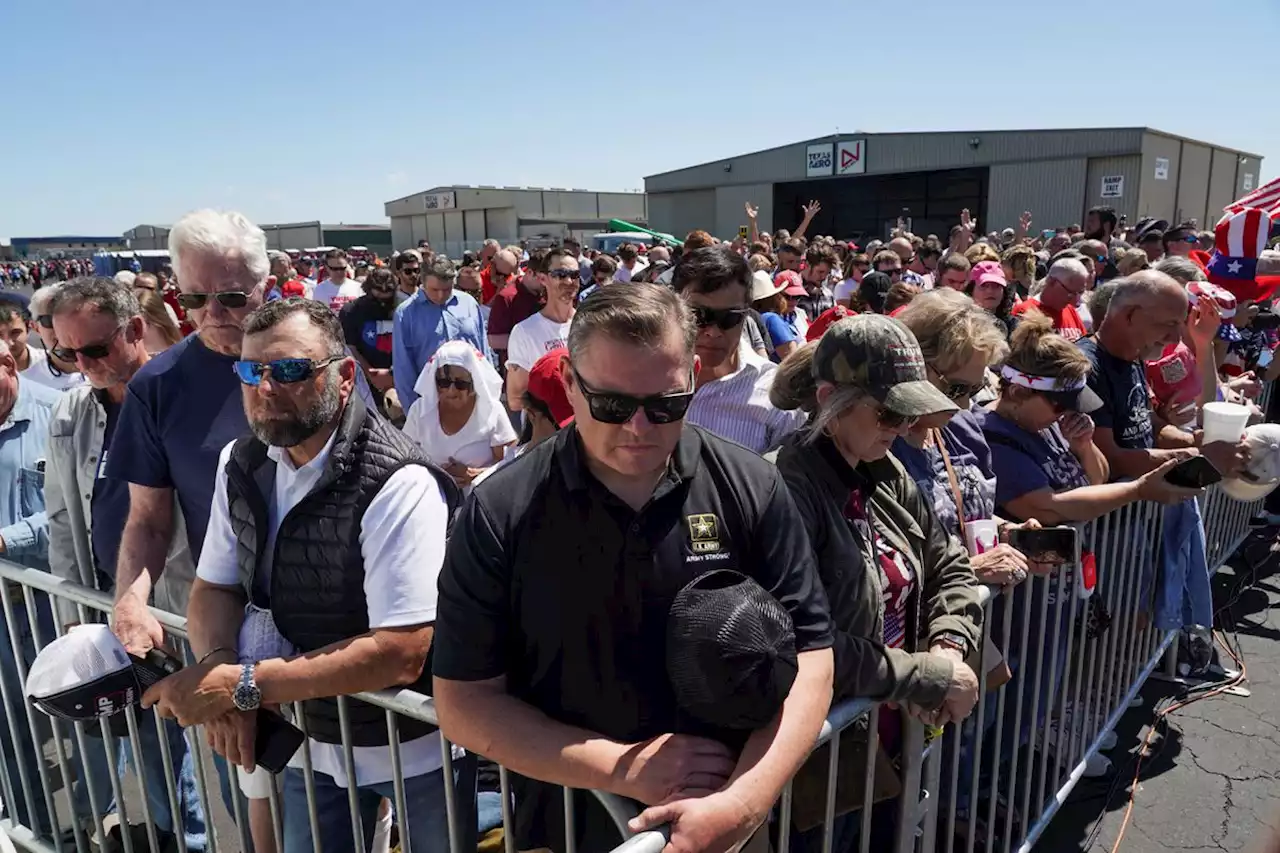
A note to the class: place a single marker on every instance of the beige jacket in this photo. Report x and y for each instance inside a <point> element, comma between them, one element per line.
<point>76,430</point>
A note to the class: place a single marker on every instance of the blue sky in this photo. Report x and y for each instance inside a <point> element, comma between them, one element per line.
<point>293,111</point>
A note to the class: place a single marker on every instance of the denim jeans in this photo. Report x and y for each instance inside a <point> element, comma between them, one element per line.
<point>1184,596</point>
<point>426,824</point>
<point>192,810</point>
<point>93,769</point>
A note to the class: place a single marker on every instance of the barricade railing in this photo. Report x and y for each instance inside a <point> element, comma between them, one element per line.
<point>992,783</point>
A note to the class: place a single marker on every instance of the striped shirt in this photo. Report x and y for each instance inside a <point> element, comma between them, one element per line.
<point>737,406</point>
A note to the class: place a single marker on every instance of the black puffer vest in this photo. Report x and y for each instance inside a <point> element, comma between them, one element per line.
<point>317,571</point>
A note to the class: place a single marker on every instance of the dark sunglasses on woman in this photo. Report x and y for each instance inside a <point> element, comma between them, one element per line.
<point>609,407</point>
<point>286,371</point>
<point>443,382</point>
<point>227,299</point>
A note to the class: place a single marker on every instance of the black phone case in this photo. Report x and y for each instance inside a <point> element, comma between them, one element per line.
<point>1035,542</point>
<point>1194,473</point>
<point>276,741</point>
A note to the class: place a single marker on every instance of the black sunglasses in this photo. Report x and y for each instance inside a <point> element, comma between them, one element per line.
<point>957,390</point>
<point>611,408</point>
<point>565,274</point>
<point>227,299</point>
<point>890,419</point>
<point>45,320</point>
<point>723,319</point>
<point>95,351</point>
<point>410,270</point>
<point>443,382</point>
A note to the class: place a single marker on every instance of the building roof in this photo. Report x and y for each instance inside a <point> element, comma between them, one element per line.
<point>346,226</point>
<point>844,135</point>
<point>67,239</point>
<point>454,187</point>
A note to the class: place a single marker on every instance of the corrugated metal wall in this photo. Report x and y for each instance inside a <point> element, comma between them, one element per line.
<point>1222,186</point>
<point>1127,167</point>
<point>731,213</point>
<point>1052,190</point>
<point>1159,198</point>
<point>1193,183</point>
<point>681,212</point>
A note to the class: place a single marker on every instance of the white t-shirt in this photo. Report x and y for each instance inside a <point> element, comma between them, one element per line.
<point>472,445</point>
<point>38,372</point>
<point>334,296</point>
<point>402,539</point>
<point>845,290</point>
<point>534,337</point>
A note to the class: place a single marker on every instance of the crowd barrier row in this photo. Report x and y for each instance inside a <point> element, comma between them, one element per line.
<point>993,783</point>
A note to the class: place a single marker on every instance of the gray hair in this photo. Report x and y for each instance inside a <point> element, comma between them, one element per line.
<point>1184,270</point>
<point>1142,286</point>
<point>105,294</point>
<point>271,314</point>
<point>41,298</point>
<point>639,314</point>
<point>219,234</point>
<point>442,268</point>
<point>1065,268</point>
<point>1099,300</point>
<point>492,243</point>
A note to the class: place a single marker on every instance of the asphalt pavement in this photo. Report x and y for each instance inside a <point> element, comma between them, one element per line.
<point>1210,780</point>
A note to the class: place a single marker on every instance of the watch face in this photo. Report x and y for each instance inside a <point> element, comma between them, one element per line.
<point>247,697</point>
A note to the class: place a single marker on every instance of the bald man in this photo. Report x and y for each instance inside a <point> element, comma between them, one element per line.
<point>902,247</point>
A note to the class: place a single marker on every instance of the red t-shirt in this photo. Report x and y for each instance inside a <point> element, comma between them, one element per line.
<point>1066,322</point>
<point>513,304</point>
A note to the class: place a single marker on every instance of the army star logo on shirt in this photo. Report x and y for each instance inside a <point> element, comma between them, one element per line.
<point>704,533</point>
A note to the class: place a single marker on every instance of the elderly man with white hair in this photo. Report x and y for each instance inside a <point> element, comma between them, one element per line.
<point>1059,298</point>
<point>180,409</point>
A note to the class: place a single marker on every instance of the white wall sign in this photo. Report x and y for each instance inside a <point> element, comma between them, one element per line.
<point>818,161</point>
<point>1162,168</point>
<point>1247,183</point>
<point>1113,186</point>
<point>851,157</point>
<point>440,201</point>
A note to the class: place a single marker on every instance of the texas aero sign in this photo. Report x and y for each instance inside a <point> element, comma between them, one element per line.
<point>851,157</point>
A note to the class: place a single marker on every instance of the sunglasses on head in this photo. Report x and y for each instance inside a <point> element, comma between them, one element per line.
<point>723,319</point>
<point>443,382</point>
<point>227,299</point>
<point>95,351</point>
<point>283,370</point>
<point>609,407</point>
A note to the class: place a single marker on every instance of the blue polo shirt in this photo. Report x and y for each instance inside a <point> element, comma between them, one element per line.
<point>180,410</point>
<point>24,435</point>
<point>421,326</point>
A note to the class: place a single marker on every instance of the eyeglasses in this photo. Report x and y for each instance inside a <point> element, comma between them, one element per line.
<point>443,382</point>
<point>335,269</point>
<point>611,408</point>
<point>889,419</point>
<point>723,319</point>
<point>94,351</point>
<point>45,320</point>
<point>286,371</point>
<point>957,390</point>
<point>1190,239</point>
<point>565,274</point>
<point>494,272</point>
<point>410,270</point>
<point>227,299</point>
<point>893,273</point>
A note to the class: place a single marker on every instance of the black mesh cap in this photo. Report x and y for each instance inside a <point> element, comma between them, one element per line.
<point>731,651</point>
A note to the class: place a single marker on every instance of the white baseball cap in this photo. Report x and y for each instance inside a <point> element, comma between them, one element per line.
<point>1262,473</point>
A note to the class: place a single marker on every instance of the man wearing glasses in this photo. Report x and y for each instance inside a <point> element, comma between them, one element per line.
<point>437,313</point>
<point>1182,240</point>
<point>539,334</point>
<point>1064,287</point>
<point>732,398</point>
<point>618,511</point>
<point>36,365</point>
<point>336,290</point>
<point>408,267</point>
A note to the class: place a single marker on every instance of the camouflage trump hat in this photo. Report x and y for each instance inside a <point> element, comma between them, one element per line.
<point>880,356</point>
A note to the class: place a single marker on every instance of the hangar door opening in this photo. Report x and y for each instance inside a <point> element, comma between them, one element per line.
<point>865,207</point>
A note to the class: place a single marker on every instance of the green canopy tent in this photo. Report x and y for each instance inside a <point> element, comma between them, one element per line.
<point>619,225</point>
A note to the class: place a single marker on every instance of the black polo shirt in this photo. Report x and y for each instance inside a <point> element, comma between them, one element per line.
<point>553,581</point>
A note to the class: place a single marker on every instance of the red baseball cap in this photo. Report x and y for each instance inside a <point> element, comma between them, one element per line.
<point>545,384</point>
<point>293,287</point>
<point>825,319</point>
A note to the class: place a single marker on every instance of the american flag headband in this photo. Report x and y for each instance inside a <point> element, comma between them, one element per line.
<point>1038,383</point>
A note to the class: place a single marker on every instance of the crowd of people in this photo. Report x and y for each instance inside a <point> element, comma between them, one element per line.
<point>544,485</point>
<point>39,271</point>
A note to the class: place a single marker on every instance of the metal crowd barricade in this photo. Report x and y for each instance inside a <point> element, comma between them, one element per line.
<point>993,783</point>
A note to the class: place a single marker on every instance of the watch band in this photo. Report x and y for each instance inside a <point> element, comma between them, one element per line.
<point>951,638</point>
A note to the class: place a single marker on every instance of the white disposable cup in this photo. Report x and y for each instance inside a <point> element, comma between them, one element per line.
<point>1224,422</point>
<point>980,536</point>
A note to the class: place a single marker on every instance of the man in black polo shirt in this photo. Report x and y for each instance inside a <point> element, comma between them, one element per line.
<point>551,633</point>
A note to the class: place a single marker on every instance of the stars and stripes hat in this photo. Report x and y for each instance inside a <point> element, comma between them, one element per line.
<point>1240,238</point>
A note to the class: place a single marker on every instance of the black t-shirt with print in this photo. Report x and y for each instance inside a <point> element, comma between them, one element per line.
<point>1126,399</point>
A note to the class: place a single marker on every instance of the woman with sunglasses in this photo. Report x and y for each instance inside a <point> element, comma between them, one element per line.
<point>893,576</point>
<point>458,417</point>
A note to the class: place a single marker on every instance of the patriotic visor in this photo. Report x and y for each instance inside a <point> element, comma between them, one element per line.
<point>1072,396</point>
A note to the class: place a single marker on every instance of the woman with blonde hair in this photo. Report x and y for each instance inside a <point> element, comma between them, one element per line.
<point>160,324</point>
<point>1019,263</point>
<point>1132,261</point>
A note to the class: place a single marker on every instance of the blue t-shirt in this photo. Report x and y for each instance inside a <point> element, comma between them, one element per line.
<point>181,409</point>
<point>970,459</point>
<point>109,505</point>
<point>1026,462</point>
<point>1122,385</point>
<point>780,332</point>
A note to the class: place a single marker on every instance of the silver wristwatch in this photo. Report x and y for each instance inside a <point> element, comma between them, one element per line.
<point>247,696</point>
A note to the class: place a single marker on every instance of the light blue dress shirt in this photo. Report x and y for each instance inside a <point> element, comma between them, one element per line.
<point>24,435</point>
<point>421,326</point>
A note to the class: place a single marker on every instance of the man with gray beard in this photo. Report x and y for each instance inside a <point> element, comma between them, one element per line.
<point>326,536</point>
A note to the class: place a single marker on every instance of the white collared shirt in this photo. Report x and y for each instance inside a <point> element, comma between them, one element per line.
<point>402,538</point>
<point>737,406</point>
